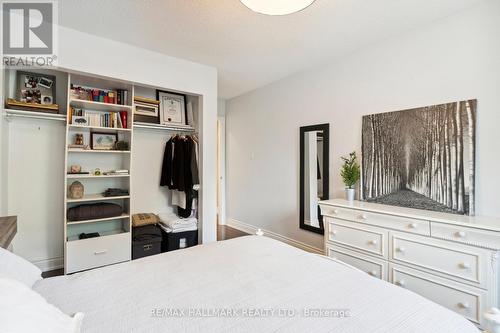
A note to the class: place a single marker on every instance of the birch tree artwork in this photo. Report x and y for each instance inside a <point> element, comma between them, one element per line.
<point>421,158</point>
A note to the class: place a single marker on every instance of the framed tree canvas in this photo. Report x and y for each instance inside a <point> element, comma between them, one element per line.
<point>421,158</point>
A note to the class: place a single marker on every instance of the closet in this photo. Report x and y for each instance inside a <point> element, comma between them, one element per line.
<point>135,169</point>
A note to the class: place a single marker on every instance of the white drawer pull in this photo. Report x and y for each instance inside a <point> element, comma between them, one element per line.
<point>412,226</point>
<point>372,273</point>
<point>401,283</point>
<point>463,305</point>
<point>401,249</point>
<point>464,265</point>
<point>461,234</point>
<point>363,217</point>
<point>335,211</point>
<point>333,232</point>
<point>373,242</point>
<point>100,252</point>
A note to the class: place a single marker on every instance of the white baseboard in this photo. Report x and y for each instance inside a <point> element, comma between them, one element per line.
<point>250,229</point>
<point>49,264</point>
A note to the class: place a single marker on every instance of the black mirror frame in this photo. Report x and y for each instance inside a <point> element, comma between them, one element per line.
<point>326,174</point>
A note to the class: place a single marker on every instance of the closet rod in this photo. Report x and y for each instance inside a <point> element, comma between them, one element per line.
<point>8,117</point>
<point>167,128</point>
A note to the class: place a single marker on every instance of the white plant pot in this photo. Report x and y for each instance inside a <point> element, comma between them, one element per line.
<point>350,194</point>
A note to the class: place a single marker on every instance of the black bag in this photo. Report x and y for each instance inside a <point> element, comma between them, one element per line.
<point>146,241</point>
<point>178,240</point>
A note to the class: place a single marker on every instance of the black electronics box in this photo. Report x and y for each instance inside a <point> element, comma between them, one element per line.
<point>178,240</point>
<point>146,241</point>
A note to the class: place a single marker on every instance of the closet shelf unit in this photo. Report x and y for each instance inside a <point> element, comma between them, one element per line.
<point>117,229</point>
<point>143,160</point>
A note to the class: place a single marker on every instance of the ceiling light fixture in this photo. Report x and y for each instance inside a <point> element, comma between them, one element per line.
<point>277,7</point>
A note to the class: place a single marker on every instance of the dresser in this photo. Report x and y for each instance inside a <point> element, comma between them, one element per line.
<point>449,259</point>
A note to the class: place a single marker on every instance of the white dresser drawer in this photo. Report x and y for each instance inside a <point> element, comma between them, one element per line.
<point>456,261</point>
<point>95,252</point>
<point>471,236</point>
<point>465,300</point>
<point>372,266</point>
<point>414,226</point>
<point>362,237</point>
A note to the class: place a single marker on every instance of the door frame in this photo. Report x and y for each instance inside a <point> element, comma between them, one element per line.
<point>221,170</point>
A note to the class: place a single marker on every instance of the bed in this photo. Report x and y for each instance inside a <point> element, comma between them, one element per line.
<point>246,284</point>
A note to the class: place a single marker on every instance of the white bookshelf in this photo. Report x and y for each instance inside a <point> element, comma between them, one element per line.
<point>110,229</point>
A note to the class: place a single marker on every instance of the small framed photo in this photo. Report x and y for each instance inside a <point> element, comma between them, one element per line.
<point>46,99</point>
<point>45,82</point>
<point>103,141</point>
<point>80,121</point>
<point>172,108</point>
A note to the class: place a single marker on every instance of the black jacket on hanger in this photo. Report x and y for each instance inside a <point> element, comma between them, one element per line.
<point>166,171</point>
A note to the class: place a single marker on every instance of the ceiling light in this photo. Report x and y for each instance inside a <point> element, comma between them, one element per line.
<point>277,7</point>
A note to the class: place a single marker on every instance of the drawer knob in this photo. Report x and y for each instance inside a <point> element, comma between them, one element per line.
<point>401,249</point>
<point>372,273</point>
<point>100,252</point>
<point>464,265</point>
<point>333,232</point>
<point>464,305</point>
<point>401,283</point>
<point>461,234</point>
<point>413,226</point>
<point>364,217</point>
<point>373,242</point>
<point>335,211</point>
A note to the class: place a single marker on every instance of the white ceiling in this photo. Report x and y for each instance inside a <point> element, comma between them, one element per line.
<point>249,49</point>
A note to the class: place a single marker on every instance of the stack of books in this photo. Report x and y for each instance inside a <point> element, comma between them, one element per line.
<point>117,172</point>
<point>83,117</point>
<point>119,96</point>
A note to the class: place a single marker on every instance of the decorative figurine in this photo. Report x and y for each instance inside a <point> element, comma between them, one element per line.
<point>121,145</point>
<point>76,190</point>
<point>79,139</point>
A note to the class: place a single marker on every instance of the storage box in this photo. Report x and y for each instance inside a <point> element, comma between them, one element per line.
<point>146,241</point>
<point>178,240</point>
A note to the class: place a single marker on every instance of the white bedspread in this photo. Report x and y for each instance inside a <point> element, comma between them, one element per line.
<point>250,276</point>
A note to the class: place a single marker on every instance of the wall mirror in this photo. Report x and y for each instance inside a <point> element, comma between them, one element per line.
<point>314,178</point>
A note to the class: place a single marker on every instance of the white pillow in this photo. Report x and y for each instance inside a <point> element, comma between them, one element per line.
<point>24,310</point>
<point>15,267</point>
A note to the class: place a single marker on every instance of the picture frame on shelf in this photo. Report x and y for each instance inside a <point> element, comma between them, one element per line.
<point>35,92</point>
<point>172,108</point>
<point>103,140</point>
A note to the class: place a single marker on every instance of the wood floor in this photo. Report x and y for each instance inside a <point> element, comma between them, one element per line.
<point>223,233</point>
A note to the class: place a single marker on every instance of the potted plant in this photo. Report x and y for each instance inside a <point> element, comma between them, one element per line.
<point>350,174</point>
